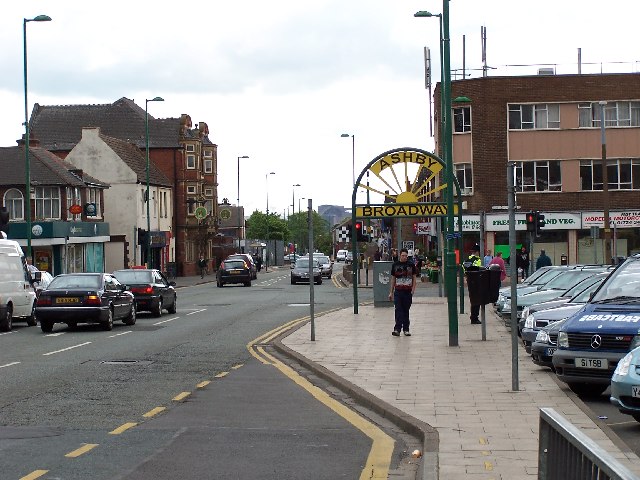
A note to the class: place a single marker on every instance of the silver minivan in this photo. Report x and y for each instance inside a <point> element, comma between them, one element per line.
<point>17,295</point>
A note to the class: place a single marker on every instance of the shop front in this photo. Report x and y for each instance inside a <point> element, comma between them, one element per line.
<point>64,247</point>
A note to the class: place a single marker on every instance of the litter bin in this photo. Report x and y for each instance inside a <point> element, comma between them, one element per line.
<point>381,282</point>
<point>564,260</point>
<point>483,286</point>
<point>433,276</point>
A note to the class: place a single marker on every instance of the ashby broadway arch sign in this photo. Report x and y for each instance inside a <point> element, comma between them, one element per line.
<point>402,180</point>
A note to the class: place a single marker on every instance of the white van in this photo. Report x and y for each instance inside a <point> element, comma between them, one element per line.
<point>341,255</point>
<point>17,296</point>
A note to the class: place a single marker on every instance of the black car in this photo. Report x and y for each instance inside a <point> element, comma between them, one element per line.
<point>151,289</point>
<point>250,262</point>
<point>234,270</point>
<point>300,271</point>
<point>85,298</point>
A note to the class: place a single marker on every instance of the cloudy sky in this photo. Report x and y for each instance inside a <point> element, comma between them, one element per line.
<point>280,81</point>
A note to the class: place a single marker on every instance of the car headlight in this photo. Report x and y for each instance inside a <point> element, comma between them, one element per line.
<point>530,320</point>
<point>563,339</point>
<point>542,336</point>
<point>623,365</point>
<point>635,342</point>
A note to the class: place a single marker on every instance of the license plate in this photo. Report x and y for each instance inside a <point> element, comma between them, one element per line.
<point>597,363</point>
<point>635,391</point>
<point>236,272</point>
<point>549,351</point>
<point>67,300</point>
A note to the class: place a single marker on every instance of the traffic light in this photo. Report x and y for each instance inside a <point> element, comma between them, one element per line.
<point>539,223</point>
<point>360,236</point>
<point>531,221</point>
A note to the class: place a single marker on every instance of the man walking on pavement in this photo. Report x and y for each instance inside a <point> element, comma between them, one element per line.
<point>403,286</point>
<point>543,260</point>
<point>474,263</point>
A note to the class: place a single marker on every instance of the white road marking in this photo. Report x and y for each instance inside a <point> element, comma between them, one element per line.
<point>298,305</point>
<point>7,333</point>
<point>54,334</point>
<point>197,311</point>
<point>68,348</point>
<point>165,321</point>
<point>118,334</point>
<point>9,364</point>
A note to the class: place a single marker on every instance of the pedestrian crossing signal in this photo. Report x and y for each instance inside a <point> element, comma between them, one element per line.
<point>360,236</point>
<point>531,221</point>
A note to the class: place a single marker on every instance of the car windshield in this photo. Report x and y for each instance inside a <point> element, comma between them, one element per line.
<point>624,282</point>
<point>76,281</point>
<point>304,263</point>
<point>569,279</point>
<point>583,297</point>
<point>321,259</point>
<point>547,276</point>
<point>133,276</point>
<point>535,275</point>
<point>581,286</point>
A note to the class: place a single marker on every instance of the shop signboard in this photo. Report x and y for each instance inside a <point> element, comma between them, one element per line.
<point>621,219</point>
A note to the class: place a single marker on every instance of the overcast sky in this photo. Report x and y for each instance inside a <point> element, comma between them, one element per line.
<point>280,81</point>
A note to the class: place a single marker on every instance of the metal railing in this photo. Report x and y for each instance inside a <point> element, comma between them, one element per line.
<point>566,453</point>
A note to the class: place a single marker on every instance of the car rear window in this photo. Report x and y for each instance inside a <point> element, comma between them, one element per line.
<point>76,281</point>
<point>133,276</point>
<point>231,264</point>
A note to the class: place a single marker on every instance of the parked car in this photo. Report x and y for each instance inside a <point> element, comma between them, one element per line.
<point>234,270</point>
<point>74,298</point>
<point>17,296</point>
<point>300,273</point>
<point>151,290</point>
<point>593,340</point>
<point>530,284</point>
<point>249,259</point>
<point>341,255</point>
<point>545,344</point>
<point>625,384</point>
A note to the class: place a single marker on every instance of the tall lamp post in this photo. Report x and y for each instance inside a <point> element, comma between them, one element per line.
<point>238,203</point>
<point>146,137</point>
<point>353,156</point>
<point>266,181</point>
<point>450,256</point>
<point>27,161</point>
<point>293,207</point>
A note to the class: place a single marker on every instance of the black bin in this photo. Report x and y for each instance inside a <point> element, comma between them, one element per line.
<point>483,286</point>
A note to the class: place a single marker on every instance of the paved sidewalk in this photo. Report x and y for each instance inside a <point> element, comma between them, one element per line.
<point>485,430</point>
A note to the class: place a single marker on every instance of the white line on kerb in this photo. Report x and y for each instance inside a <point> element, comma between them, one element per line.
<point>197,311</point>
<point>118,334</point>
<point>9,364</point>
<point>165,321</point>
<point>68,348</point>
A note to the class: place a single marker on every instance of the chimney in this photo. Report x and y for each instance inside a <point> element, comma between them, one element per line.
<point>33,142</point>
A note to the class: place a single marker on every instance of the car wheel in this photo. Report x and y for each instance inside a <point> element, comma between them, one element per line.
<point>247,284</point>
<point>6,323</point>
<point>46,326</point>
<point>157,312</point>
<point>32,320</point>
<point>108,324</point>
<point>131,318</point>
<point>174,306</point>
<point>587,389</point>
<point>220,284</point>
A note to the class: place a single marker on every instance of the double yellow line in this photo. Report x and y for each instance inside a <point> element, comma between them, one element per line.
<point>379,458</point>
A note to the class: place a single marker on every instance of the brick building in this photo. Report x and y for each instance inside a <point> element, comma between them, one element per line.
<point>549,127</point>
<point>180,149</point>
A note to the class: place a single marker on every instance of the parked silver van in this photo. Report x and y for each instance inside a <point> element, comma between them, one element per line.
<point>17,295</point>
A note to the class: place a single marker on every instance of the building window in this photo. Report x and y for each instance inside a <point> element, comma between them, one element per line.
<point>73,198</point>
<point>93,196</point>
<point>47,203</point>
<point>207,153</point>
<point>191,189</point>
<point>616,114</point>
<point>191,162</point>
<point>208,204</point>
<point>623,174</point>
<point>164,201</point>
<point>14,202</point>
<point>143,204</point>
<point>462,119</point>
<point>155,203</point>
<point>191,148</point>
<point>208,165</point>
<point>539,116</point>
<point>208,192</point>
<point>465,178</point>
<point>538,176</point>
<point>190,251</point>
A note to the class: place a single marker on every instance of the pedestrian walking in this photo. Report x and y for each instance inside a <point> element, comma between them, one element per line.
<point>498,260</point>
<point>522,262</point>
<point>394,255</point>
<point>543,260</point>
<point>473,263</point>
<point>403,286</point>
<point>202,265</point>
<point>487,258</point>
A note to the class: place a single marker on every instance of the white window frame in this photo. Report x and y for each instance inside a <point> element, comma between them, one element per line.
<point>191,161</point>
<point>47,203</point>
<point>143,202</point>
<point>208,192</point>
<point>539,116</point>
<point>465,170</point>
<point>538,174</point>
<point>465,114</point>
<point>190,147</point>
<point>207,153</point>
<point>627,167</point>
<point>93,196</point>
<point>14,205</point>
<point>616,114</point>
<point>207,165</point>
<point>155,203</point>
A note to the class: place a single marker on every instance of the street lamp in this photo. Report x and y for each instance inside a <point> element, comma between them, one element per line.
<point>605,189</point>
<point>27,162</point>
<point>146,137</point>
<point>238,203</point>
<point>266,181</point>
<point>353,156</point>
<point>447,134</point>
<point>293,207</point>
